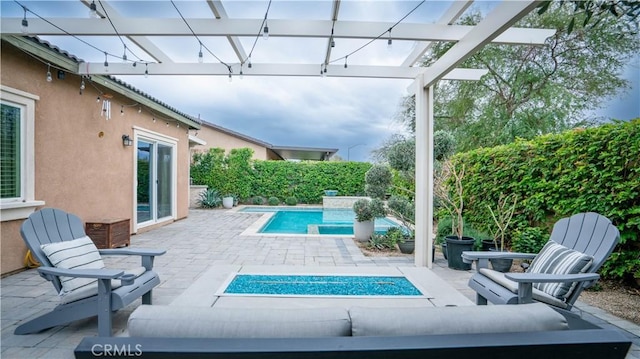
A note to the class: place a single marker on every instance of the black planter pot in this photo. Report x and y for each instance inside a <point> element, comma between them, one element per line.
<point>501,264</point>
<point>455,247</point>
<point>407,247</point>
<point>488,245</point>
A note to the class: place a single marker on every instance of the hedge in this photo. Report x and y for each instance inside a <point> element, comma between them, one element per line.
<point>555,176</point>
<point>237,174</point>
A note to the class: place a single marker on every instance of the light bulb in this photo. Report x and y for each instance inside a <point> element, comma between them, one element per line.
<point>200,58</point>
<point>241,74</point>
<point>345,62</point>
<point>121,110</point>
<point>230,78</point>
<point>25,22</point>
<point>124,55</point>
<point>82,85</point>
<point>146,71</point>
<point>265,32</point>
<point>389,41</point>
<point>140,110</point>
<point>333,43</point>
<point>93,11</point>
<point>98,99</point>
<point>106,63</point>
<point>249,62</point>
<point>49,78</point>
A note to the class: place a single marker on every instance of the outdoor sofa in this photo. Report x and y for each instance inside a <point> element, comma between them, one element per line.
<point>524,331</point>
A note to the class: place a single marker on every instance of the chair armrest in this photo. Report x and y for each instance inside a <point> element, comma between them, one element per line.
<point>132,252</point>
<point>482,258</point>
<point>147,255</point>
<point>525,281</point>
<point>551,278</point>
<point>104,273</point>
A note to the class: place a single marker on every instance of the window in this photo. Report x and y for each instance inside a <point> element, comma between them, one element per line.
<point>17,182</point>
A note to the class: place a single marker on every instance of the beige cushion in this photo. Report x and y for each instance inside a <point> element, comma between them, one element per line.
<point>455,320</point>
<point>92,290</point>
<point>79,253</point>
<point>512,286</point>
<point>207,322</point>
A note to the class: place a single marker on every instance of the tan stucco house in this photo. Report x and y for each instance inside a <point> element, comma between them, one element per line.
<point>97,147</point>
<point>92,146</point>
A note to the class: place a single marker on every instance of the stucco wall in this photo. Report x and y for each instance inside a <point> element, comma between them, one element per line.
<point>81,165</point>
<point>219,139</point>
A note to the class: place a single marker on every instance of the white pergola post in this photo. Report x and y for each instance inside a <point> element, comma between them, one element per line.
<point>424,174</point>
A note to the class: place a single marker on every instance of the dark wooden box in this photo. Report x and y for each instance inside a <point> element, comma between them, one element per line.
<point>110,233</point>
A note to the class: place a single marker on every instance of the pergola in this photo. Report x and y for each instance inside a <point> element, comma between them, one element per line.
<point>141,31</point>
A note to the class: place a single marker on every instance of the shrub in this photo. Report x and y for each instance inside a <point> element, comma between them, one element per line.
<point>381,241</point>
<point>367,210</point>
<point>529,240</point>
<point>378,179</point>
<point>273,201</point>
<point>258,200</point>
<point>209,198</point>
<point>291,201</point>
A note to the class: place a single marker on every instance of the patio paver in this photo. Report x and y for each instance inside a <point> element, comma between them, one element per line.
<point>209,238</point>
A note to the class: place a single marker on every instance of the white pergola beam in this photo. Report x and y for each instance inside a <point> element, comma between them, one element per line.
<point>493,25</point>
<point>220,13</point>
<point>278,28</point>
<point>452,14</point>
<point>258,69</point>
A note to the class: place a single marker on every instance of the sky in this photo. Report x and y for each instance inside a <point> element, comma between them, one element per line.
<point>352,115</point>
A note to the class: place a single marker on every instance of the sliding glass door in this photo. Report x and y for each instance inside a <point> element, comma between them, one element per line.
<point>155,180</point>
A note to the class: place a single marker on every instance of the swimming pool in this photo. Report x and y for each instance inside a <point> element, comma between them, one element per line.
<point>320,285</point>
<point>314,220</point>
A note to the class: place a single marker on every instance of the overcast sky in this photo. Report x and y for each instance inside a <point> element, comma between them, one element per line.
<point>310,111</point>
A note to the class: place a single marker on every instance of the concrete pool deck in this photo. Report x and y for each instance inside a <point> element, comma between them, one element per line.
<point>210,239</point>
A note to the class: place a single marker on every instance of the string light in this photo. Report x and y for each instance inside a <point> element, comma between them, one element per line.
<point>345,61</point>
<point>140,109</point>
<point>122,110</point>
<point>98,98</point>
<point>82,87</point>
<point>241,73</point>
<point>124,55</point>
<point>93,11</point>
<point>265,31</point>
<point>146,70</point>
<point>230,71</point>
<point>49,78</point>
<point>25,22</point>
<point>249,61</point>
<point>106,63</point>
<point>200,58</point>
<point>389,41</point>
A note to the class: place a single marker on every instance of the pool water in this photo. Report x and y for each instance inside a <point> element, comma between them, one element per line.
<point>314,221</point>
<point>321,285</point>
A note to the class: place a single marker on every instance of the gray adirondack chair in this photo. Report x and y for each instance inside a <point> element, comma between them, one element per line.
<point>51,225</point>
<point>588,233</point>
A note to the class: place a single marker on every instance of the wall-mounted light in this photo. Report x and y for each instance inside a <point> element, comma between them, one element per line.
<point>127,141</point>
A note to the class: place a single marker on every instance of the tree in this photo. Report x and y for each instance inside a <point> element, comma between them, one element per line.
<point>531,90</point>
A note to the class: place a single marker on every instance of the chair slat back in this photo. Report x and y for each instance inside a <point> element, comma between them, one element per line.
<point>50,225</point>
<point>591,234</point>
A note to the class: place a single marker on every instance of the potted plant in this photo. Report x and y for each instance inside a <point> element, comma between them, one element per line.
<point>502,216</point>
<point>366,211</point>
<point>404,210</point>
<point>452,199</point>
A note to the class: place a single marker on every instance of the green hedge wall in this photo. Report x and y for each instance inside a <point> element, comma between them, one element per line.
<point>554,176</point>
<point>236,173</point>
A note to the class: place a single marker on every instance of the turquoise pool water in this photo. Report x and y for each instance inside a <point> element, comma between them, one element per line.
<point>314,221</point>
<point>315,285</point>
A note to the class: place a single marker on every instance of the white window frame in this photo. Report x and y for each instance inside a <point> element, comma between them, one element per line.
<point>21,207</point>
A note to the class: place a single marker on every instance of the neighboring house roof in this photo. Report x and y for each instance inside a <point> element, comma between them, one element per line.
<point>304,153</point>
<point>284,152</point>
